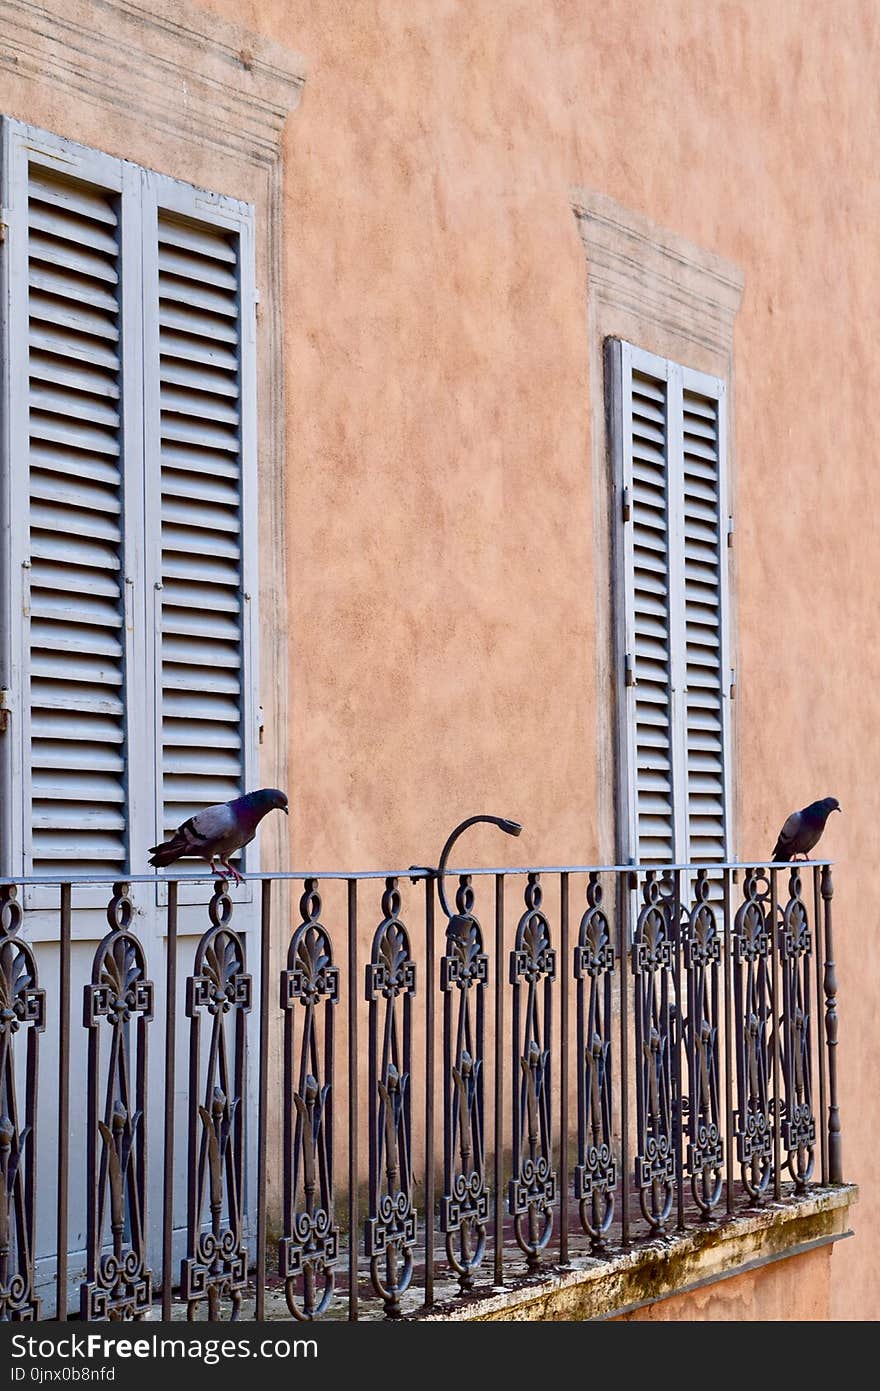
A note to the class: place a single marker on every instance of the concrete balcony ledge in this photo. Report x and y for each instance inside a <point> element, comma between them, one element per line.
<point>669,1265</point>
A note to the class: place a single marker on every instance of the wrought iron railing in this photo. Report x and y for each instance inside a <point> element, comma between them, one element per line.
<point>583,1057</point>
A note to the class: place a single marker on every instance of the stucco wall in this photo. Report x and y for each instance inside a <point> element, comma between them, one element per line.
<point>437,364</point>
<point>441,590</point>
<point>798,1289</point>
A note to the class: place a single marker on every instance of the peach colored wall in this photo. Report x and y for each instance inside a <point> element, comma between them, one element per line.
<point>442,595</point>
<point>795,1290</point>
<point>441,587</point>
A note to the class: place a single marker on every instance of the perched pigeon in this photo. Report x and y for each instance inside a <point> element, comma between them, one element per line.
<point>802,829</point>
<point>220,830</point>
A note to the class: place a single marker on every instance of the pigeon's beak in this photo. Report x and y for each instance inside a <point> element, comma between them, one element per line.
<point>838,808</point>
<point>286,812</point>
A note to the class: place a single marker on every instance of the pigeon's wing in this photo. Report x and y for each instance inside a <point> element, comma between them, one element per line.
<point>203,834</point>
<point>790,830</point>
<point>787,841</point>
<point>209,827</point>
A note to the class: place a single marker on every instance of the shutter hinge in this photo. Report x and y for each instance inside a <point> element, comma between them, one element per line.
<point>629,673</point>
<point>729,532</point>
<point>733,683</point>
<point>261,723</point>
<point>5,709</point>
<point>626,506</point>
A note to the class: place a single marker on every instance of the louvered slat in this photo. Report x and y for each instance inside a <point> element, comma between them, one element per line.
<point>704,715</point>
<point>77,729</point>
<point>202,652</point>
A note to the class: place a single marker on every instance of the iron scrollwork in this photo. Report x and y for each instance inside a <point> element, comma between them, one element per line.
<point>390,1228</point>
<point>118,1283</point>
<point>595,1174</point>
<point>464,976</point>
<point>532,1189</point>
<point>309,1248</point>
<point>702,1125</point>
<point>753,1119</point>
<point>653,968</point>
<point>795,955</point>
<point>22,1020</point>
<point>219,990</point>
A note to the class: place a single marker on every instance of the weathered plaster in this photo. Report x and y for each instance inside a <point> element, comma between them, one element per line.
<point>797,1289</point>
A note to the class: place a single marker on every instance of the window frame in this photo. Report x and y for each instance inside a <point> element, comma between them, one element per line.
<point>142,193</point>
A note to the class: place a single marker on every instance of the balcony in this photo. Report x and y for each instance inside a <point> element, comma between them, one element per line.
<point>352,1098</point>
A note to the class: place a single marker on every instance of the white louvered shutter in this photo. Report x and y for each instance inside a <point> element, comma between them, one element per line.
<point>203,416</point>
<point>76,604</point>
<point>128,444</point>
<point>705,558</point>
<point>200,518</point>
<point>668,434</point>
<point>650,601</point>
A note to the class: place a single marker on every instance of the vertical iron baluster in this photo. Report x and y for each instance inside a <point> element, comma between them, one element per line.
<point>118,1284</point>
<point>309,1246</point>
<point>653,969</point>
<point>835,1155</point>
<point>215,1265</point>
<point>498,1132</point>
<point>390,1229</point>
<point>625,884</point>
<point>23,1013</point>
<point>263,1098</point>
<point>63,1104</point>
<point>532,1189</point>
<point>796,1029</point>
<point>680,1101</point>
<point>595,1175</point>
<point>464,976</point>
<point>429,1091</point>
<point>353,1128</point>
<point>728,1039</point>
<point>702,955</point>
<point>564,1068</point>
<point>775,1020</point>
<point>752,947</point>
<point>820,1050</point>
<point>170,1062</point>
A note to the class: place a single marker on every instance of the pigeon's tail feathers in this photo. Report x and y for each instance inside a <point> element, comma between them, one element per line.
<point>168,851</point>
<point>780,854</point>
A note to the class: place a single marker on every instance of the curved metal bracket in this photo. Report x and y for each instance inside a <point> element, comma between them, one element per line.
<point>512,828</point>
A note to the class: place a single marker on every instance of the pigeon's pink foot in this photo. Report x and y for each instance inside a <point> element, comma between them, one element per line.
<point>236,877</point>
<point>215,869</point>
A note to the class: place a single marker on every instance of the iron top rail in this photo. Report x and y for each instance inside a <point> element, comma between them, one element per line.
<point>414,872</point>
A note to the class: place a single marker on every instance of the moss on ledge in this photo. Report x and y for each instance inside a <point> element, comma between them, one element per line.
<point>672,1264</point>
